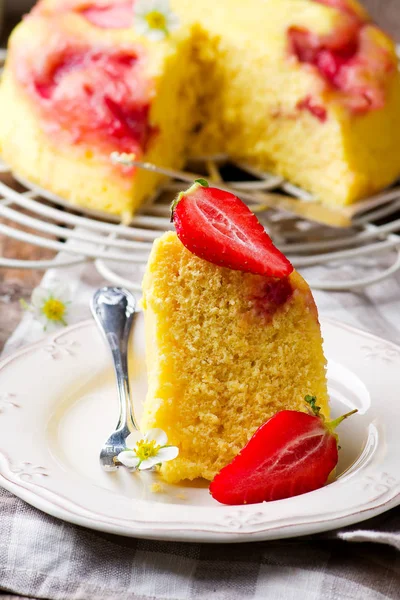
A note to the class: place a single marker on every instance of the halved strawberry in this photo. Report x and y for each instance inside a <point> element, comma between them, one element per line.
<point>217,226</point>
<point>291,454</point>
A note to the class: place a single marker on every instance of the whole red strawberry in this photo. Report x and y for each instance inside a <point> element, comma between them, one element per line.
<point>217,226</point>
<point>291,454</point>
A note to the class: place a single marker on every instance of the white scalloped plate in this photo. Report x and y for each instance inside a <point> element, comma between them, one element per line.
<point>58,404</point>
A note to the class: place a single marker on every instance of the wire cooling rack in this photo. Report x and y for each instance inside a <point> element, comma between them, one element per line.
<point>308,233</point>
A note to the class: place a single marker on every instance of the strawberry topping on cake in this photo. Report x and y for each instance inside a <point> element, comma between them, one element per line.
<point>272,294</point>
<point>111,15</point>
<point>104,14</point>
<point>315,109</point>
<point>97,95</point>
<point>217,226</point>
<point>354,60</point>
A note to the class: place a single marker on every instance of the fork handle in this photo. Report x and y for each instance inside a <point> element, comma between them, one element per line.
<point>114,310</point>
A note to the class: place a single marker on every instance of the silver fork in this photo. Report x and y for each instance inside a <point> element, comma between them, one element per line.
<point>114,310</point>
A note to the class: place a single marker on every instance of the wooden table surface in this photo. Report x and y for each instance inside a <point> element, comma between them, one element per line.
<point>16,284</point>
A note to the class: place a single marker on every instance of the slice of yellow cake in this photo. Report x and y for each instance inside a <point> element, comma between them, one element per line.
<point>72,93</point>
<point>226,349</point>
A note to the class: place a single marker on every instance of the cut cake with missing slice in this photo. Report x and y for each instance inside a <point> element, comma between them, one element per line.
<point>307,89</point>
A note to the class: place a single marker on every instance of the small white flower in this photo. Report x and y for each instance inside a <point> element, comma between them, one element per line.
<point>149,452</point>
<point>154,19</point>
<point>122,158</point>
<point>49,305</point>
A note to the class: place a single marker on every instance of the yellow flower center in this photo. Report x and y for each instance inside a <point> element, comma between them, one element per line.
<point>54,310</point>
<point>145,450</point>
<point>156,20</point>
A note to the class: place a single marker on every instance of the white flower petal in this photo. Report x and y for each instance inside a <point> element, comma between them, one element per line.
<point>128,459</point>
<point>149,463</point>
<point>60,291</point>
<point>51,326</point>
<point>141,26</point>
<point>39,297</point>
<point>163,6</point>
<point>167,453</point>
<point>143,7</point>
<point>40,318</point>
<point>173,22</point>
<point>139,12</point>
<point>156,35</point>
<point>157,435</point>
<point>48,326</point>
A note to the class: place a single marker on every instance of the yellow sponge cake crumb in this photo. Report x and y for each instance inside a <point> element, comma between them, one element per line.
<point>225,351</point>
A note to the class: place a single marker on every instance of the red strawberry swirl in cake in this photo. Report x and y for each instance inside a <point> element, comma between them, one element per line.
<point>270,295</point>
<point>109,15</point>
<point>354,60</point>
<point>96,94</point>
<point>104,14</point>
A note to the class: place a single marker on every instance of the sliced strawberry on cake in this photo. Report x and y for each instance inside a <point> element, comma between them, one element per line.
<point>217,226</point>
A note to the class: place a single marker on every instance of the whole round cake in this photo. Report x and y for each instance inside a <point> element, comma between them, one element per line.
<point>308,89</point>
